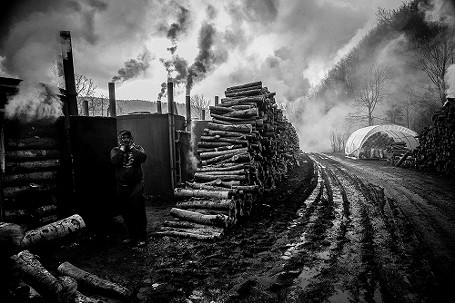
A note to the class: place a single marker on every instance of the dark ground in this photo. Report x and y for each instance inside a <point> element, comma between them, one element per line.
<point>368,232</point>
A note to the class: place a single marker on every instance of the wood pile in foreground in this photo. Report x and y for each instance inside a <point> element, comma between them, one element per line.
<point>437,142</point>
<point>32,282</point>
<point>246,149</point>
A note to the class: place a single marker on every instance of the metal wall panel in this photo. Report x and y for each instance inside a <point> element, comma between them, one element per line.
<point>151,131</point>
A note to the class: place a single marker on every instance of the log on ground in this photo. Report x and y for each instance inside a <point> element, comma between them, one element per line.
<point>53,231</point>
<point>93,282</point>
<point>220,194</point>
<point>215,220</point>
<point>33,273</point>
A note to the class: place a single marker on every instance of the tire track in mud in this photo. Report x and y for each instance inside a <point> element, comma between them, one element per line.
<point>390,249</point>
<point>422,209</point>
<point>370,257</point>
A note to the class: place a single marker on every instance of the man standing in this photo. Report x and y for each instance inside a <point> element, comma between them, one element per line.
<point>127,159</point>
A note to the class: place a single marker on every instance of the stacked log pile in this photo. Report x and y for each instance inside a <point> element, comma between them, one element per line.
<point>31,162</point>
<point>437,142</point>
<point>246,149</point>
<point>376,145</point>
<point>32,282</point>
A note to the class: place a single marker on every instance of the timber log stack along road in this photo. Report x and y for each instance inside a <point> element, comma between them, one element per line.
<point>336,230</point>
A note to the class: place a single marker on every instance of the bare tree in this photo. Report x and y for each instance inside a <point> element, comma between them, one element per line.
<point>199,103</point>
<point>370,89</point>
<point>434,57</point>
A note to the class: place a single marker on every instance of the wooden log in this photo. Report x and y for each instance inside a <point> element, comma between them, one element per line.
<point>403,158</point>
<point>223,172</point>
<point>243,86</point>
<point>35,142</point>
<point>217,149</point>
<point>32,165</point>
<point>246,113</point>
<point>33,273</point>
<point>237,135</point>
<point>243,93</point>
<point>209,155</point>
<point>241,158</point>
<point>238,90</point>
<point>11,236</point>
<point>205,144</point>
<point>53,231</point>
<point>231,140</point>
<point>93,282</point>
<point>220,109</point>
<point>230,167</point>
<point>210,204</point>
<point>185,234</point>
<point>230,213</point>
<point>13,215</point>
<point>32,177</point>
<point>242,106</point>
<point>184,192</point>
<point>207,177</point>
<point>224,122</point>
<point>204,230</point>
<point>216,220</point>
<point>32,154</point>
<point>242,128</point>
<point>13,191</point>
<point>229,118</point>
<point>228,157</point>
<point>192,225</point>
<point>218,182</point>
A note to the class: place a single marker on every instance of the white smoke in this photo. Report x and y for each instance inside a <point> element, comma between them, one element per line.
<point>315,123</point>
<point>450,77</point>
<point>34,102</point>
<point>441,11</point>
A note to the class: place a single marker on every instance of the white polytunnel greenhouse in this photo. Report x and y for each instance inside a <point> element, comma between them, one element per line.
<point>373,141</point>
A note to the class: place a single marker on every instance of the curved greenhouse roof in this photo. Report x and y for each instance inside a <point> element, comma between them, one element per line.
<point>398,133</point>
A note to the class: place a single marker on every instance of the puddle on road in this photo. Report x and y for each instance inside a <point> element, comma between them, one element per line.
<point>307,274</point>
<point>340,297</point>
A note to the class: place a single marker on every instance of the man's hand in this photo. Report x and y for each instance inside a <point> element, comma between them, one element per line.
<point>123,148</point>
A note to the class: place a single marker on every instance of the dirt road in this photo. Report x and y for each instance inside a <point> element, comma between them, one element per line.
<point>336,230</point>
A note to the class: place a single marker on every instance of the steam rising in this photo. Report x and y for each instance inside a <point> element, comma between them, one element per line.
<point>451,81</point>
<point>34,102</point>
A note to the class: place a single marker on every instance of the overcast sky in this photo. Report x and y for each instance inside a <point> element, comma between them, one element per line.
<point>288,45</point>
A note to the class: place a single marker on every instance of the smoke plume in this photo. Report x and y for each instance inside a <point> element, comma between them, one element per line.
<point>442,11</point>
<point>451,81</point>
<point>133,68</point>
<point>208,57</point>
<point>34,102</point>
<point>163,91</point>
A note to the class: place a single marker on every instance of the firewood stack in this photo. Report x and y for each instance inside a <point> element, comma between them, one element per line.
<point>246,149</point>
<point>437,142</point>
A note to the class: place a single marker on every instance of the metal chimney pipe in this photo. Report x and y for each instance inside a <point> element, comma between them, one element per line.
<point>68,70</point>
<point>216,100</point>
<point>170,96</point>
<point>85,108</point>
<point>170,108</point>
<point>112,106</point>
<point>158,107</point>
<point>188,112</point>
